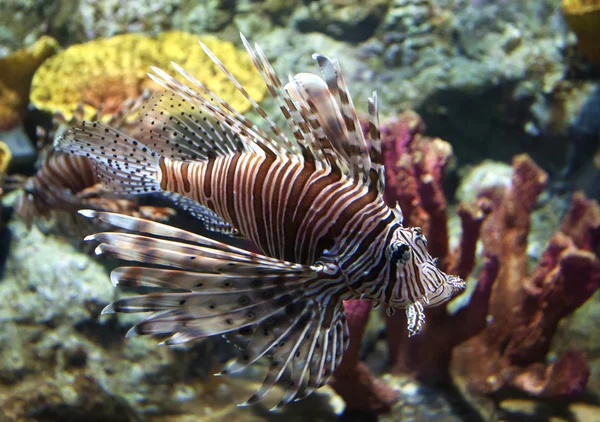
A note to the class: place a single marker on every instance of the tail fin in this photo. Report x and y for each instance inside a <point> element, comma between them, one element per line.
<point>124,165</point>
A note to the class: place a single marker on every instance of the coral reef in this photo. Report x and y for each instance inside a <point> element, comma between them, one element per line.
<point>500,336</point>
<point>16,72</point>
<point>106,72</point>
<point>490,77</point>
<point>407,29</point>
<point>583,17</point>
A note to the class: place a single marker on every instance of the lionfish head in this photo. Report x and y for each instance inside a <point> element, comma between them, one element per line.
<point>417,276</point>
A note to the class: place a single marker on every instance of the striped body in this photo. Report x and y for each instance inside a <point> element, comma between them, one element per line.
<point>290,210</point>
<point>294,212</point>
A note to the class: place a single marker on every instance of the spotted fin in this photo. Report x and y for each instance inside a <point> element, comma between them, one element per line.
<point>199,287</point>
<point>354,142</point>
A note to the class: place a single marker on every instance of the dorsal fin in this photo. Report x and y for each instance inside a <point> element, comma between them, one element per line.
<point>174,128</point>
<point>355,141</point>
<point>377,173</point>
<point>324,117</point>
<point>253,137</point>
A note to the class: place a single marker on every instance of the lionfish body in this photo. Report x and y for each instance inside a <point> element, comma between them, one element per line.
<point>311,203</point>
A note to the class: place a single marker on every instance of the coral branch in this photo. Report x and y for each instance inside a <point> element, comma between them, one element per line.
<point>414,169</point>
<point>353,380</point>
<point>525,308</point>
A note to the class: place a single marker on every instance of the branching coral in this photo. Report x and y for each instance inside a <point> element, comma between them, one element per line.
<point>501,337</point>
<point>353,380</point>
<point>414,168</point>
<point>526,307</point>
<point>16,72</point>
<point>106,72</point>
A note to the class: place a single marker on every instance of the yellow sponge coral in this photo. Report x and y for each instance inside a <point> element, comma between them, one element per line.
<point>5,156</point>
<point>16,71</point>
<point>583,17</point>
<point>106,72</point>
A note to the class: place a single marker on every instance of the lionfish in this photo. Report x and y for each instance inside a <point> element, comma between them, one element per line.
<point>312,203</point>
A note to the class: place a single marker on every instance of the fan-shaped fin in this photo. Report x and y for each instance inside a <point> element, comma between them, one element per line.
<point>267,307</point>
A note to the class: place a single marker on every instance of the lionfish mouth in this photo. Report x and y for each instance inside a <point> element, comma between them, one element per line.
<point>456,283</point>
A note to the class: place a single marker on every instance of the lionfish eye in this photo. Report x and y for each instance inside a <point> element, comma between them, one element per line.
<point>419,236</point>
<point>398,252</point>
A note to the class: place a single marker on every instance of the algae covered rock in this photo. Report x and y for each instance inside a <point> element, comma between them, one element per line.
<point>348,20</point>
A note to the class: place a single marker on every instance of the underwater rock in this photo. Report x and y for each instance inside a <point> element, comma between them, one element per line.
<point>583,163</point>
<point>206,16</point>
<point>487,76</point>
<point>61,360</point>
<point>485,175</point>
<point>420,402</point>
<point>48,282</point>
<point>347,20</point>
<point>74,398</point>
<point>22,22</point>
<point>407,28</point>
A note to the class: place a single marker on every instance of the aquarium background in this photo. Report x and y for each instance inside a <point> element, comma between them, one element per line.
<point>490,114</point>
